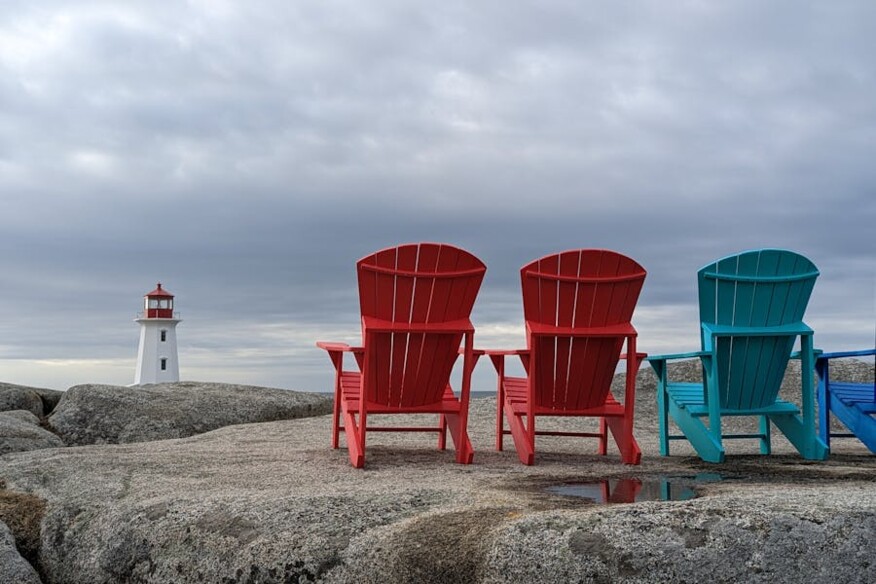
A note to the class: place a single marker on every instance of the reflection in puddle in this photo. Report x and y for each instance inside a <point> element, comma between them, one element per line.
<point>670,488</point>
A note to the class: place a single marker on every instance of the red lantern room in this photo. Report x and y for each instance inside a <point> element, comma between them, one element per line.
<point>159,303</point>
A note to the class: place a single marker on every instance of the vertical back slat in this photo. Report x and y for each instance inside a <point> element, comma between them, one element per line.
<point>773,351</point>
<point>725,302</point>
<point>568,266</point>
<point>742,388</point>
<point>545,388</point>
<point>384,294</point>
<point>612,296</point>
<point>417,369</point>
<point>442,347</point>
<point>406,260</point>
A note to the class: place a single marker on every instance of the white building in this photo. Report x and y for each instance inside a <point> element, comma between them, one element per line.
<point>157,360</point>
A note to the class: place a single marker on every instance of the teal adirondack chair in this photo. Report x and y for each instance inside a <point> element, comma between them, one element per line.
<point>751,313</point>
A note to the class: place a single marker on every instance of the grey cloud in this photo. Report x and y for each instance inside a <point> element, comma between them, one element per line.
<point>248,155</point>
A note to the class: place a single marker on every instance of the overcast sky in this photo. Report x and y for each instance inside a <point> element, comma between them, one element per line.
<point>246,154</point>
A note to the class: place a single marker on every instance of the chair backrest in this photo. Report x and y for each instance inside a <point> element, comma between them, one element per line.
<point>758,288</point>
<point>415,283</point>
<point>582,289</point>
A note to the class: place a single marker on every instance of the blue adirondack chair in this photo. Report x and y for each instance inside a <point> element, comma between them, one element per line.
<point>751,313</point>
<point>854,404</point>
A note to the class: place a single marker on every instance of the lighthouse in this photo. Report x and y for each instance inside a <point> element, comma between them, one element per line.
<point>157,360</point>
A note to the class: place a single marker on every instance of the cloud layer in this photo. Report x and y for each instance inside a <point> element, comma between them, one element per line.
<point>247,155</point>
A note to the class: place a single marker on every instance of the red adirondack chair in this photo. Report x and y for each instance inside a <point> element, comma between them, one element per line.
<point>577,306</point>
<point>415,301</point>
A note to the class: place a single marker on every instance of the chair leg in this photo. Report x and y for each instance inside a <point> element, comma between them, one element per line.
<point>500,426</point>
<point>603,437</point>
<point>521,436</point>
<point>701,438</point>
<point>442,434</point>
<point>621,429</point>
<point>355,439</point>
<point>861,424</point>
<point>663,419</point>
<point>815,448</point>
<point>802,437</point>
<point>336,407</point>
<point>336,422</point>
<point>459,435</point>
<point>765,443</point>
<point>823,395</point>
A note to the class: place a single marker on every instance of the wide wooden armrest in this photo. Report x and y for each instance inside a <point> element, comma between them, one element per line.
<point>618,330</point>
<point>799,354</point>
<point>497,356</point>
<point>674,356</point>
<point>339,347</point>
<point>377,325</point>
<point>723,330</point>
<point>841,354</point>
<point>503,352</point>
<point>476,352</point>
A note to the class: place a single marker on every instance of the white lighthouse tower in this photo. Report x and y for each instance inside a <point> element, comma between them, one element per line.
<point>157,360</point>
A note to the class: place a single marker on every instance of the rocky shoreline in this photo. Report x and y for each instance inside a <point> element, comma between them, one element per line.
<point>267,500</point>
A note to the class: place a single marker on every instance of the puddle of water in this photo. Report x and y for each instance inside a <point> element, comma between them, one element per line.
<point>664,488</point>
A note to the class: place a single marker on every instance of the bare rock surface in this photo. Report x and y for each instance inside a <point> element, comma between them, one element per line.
<point>272,502</point>
<point>20,431</point>
<point>107,414</point>
<point>13,568</point>
<point>38,401</point>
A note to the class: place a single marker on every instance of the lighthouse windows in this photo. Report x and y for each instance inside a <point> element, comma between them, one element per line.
<point>164,363</point>
<point>163,336</point>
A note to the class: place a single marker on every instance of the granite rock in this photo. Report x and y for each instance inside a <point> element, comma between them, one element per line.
<point>20,397</point>
<point>105,414</point>
<point>13,568</point>
<point>20,431</point>
<point>272,502</point>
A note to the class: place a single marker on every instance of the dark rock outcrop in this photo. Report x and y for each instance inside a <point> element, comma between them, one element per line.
<point>20,431</point>
<point>20,518</point>
<point>37,400</point>
<point>13,568</point>
<point>106,414</point>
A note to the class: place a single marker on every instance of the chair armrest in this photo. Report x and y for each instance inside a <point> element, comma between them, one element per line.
<point>497,357</point>
<point>477,352</point>
<point>841,354</point>
<point>498,352</point>
<point>675,356</point>
<point>661,368</point>
<point>339,347</point>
